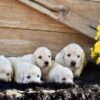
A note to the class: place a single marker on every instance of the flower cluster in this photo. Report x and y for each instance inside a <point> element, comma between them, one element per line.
<point>95,50</point>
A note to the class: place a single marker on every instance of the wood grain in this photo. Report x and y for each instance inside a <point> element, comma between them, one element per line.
<point>16,15</point>
<point>68,17</point>
<point>86,8</point>
<point>23,29</point>
<point>53,40</point>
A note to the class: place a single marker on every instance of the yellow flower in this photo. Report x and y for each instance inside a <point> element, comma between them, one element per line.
<point>92,53</point>
<point>98,60</point>
<point>97,47</point>
<point>98,28</point>
<point>95,50</point>
<point>97,36</point>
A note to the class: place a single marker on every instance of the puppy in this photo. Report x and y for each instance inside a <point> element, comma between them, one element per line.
<point>26,72</point>
<point>41,57</point>
<point>57,73</point>
<point>60,74</point>
<point>73,57</point>
<point>6,70</point>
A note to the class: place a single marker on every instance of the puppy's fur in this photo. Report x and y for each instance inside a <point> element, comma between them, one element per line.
<point>41,57</point>
<point>26,72</point>
<point>57,73</point>
<point>73,57</point>
<point>6,70</point>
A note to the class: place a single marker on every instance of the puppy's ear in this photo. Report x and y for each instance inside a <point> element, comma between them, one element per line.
<point>82,64</point>
<point>63,54</point>
<point>34,58</point>
<point>83,61</point>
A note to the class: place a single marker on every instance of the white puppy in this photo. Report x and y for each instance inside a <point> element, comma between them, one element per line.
<point>57,73</point>
<point>6,70</point>
<point>26,72</point>
<point>41,57</point>
<point>72,56</point>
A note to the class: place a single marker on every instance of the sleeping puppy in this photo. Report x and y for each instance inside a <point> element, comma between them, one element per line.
<point>57,73</point>
<point>26,73</point>
<point>6,70</point>
<point>60,74</point>
<point>73,57</point>
<point>41,57</point>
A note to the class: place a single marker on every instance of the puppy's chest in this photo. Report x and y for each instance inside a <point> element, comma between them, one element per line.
<point>45,71</point>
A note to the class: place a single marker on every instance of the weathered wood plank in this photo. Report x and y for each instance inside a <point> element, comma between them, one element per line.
<point>15,15</point>
<point>94,0</point>
<point>53,40</point>
<point>86,8</point>
<point>67,17</point>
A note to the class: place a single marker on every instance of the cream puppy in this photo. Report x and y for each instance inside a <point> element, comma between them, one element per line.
<point>57,73</point>
<point>41,57</point>
<point>26,72</point>
<point>6,70</point>
<point>60,74</point>
<point>73,57</point>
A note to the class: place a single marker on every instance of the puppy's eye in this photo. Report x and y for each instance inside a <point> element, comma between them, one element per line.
<point>68,55</point>
<point>49,56</point>
<point>38,75</point>
<point>78,56</point>
<point>63,78</point>
<point>8,74</point>
<point>40,57</point>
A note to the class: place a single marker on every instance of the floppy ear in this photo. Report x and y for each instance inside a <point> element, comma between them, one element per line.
<point>62,57</point>
<point>82,64</point>
<point>63,53</point>
<point>56,78</point>
<point>34,59</point>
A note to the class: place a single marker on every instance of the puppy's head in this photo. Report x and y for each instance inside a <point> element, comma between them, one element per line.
<point>73,56</point>
<point>6,71</point>
<point>36,75</point>
<point>64,76</point>
<point>29,73</point>
<point>42,57</point>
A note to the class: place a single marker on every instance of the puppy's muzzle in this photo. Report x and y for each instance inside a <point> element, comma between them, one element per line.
<point>46,63</point>
<point>73,63</point>
<point>28,77</point>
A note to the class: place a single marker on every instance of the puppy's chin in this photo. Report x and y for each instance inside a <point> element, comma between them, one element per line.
<point>44,66</point>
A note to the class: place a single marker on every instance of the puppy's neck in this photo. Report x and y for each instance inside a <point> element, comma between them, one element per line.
<point>45,71</point>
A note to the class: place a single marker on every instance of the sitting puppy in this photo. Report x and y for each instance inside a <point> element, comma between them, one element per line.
<point>60,74</point>
<point>57,73</point>
<point>6,70</point>
<point>41,57</point>
<point>72,56</point>
<point>26,72</point>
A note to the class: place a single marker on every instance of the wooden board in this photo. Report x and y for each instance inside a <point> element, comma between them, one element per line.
<point>23,29</point>
<point>16,15</point>
<point>66,16</point>
<point>12,41</point>
<point>86,8</point>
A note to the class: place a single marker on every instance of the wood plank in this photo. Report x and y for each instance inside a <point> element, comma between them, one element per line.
<point>53,40</point>
<point>68,17</point>
<point>86,8</point>
<point>15,15</point>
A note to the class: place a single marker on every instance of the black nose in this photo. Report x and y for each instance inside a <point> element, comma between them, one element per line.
<point>28,77</point>
<point>73,63</point>
<point>46,63</point>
